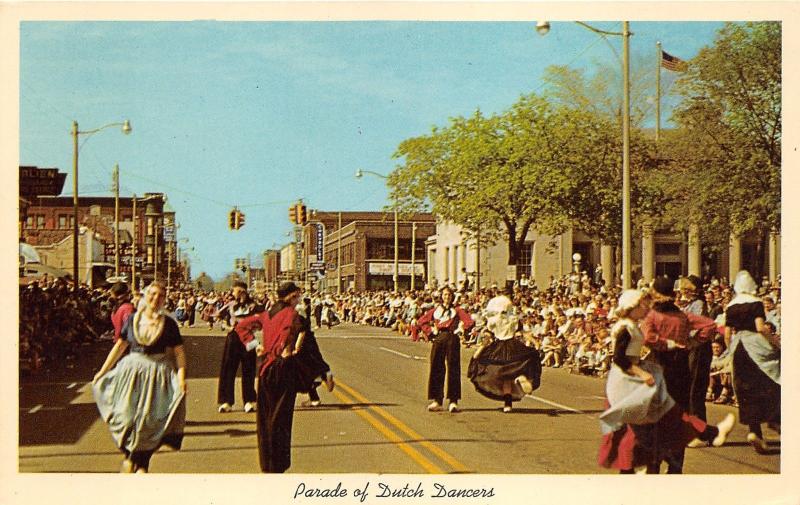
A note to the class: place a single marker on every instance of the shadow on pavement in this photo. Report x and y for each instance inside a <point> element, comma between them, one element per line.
<point>46,415</point>
<point>231,432</point>
<point>218,423</point>
<point>204,356</point>
<point>49,427</point>
<point>343,406</point>
<point>527,410</point>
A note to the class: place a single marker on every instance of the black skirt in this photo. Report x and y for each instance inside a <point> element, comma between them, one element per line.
<point>310,364</point>
<point>759,396</point>
<point>501,361</point>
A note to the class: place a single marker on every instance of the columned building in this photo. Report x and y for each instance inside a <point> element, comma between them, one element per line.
<point>451,257</point>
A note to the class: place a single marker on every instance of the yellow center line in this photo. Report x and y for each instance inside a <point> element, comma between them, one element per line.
<point>391,436</point>
<point>440,453</point>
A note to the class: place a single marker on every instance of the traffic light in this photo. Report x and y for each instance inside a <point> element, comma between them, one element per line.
<point>301,214</point>
<point>239,219</point>
<point>293,214</point>
<point>232,219</point>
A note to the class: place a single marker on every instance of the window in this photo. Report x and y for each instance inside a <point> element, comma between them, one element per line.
<point>525,259</point>
<point>66,221</point>
<point>668,249</point>
<point>40,221</point>
<point>29,222</point>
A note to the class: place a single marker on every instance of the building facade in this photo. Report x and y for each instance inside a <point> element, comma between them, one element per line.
<point>451,257</point>
<point>146,236</point>
<point>356,250</point>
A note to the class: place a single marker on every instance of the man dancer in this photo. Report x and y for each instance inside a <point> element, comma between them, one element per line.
<point>445,323</point>
<point>240,347</point>
<point>667,332</point>
<point>279,379</point>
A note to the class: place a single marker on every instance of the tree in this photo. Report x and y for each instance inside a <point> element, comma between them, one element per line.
<point>726,154</point>
<point>491,175</point>
<point>204,282</point>
<point>533,167</point>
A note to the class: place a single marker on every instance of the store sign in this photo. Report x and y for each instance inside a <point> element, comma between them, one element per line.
<point>320,241</point>
<point>35,181</point>
<point>402,269</point>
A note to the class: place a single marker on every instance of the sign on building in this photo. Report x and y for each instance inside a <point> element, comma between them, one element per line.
<point>388,269</point>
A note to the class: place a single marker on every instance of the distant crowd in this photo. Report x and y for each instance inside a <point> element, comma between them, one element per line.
<point>568,321</point>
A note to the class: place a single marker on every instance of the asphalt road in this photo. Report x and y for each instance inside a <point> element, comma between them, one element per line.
<point>375,421</point>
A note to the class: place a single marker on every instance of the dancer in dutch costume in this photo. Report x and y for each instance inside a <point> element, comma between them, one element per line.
<point>443,324</point>
<point>143,398</point>
<point>239,349</point>
<point>505,369</point>
<point>286,369</point>
<point>756,361</point>
<point>643,424</point>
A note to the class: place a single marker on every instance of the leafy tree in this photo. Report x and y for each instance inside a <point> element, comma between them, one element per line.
<point>726,155</point>
<point>491,175</point>
<point>204,282</point>
<point>535,166</point>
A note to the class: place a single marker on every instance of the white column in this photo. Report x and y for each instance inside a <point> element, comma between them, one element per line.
<point>774,255</point>
<point>648,253</point>
<point>694,260</point>
<point>607,263</point>
<point>734,257</point>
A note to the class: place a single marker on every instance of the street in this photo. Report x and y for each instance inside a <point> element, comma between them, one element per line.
<point>373,422</point>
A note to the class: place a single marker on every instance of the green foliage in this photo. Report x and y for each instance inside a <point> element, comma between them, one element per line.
<point>727,150</point>
<point>535,166</point>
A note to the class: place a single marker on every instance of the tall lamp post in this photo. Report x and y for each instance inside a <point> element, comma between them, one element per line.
<point>543,27</point>
<point>126,129</point>
<point>359,174</point>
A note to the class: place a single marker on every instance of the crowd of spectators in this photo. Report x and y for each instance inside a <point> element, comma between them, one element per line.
<point>568,321</point>
<point>54,321</point>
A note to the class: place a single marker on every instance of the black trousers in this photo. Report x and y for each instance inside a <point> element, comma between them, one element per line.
<point>676,374</point>
<point>277,391</point>
<point>699,370</point>
<point>678,379</point>
<point>234,354</point>
<point>445,358</point>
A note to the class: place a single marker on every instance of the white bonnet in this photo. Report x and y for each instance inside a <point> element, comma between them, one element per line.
<point>629,299</point>
<point>744,283</point>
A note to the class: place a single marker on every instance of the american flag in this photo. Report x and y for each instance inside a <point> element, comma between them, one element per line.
<point>673,62</point>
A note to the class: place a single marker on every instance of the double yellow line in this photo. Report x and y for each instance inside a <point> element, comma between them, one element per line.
<point>374,415</point>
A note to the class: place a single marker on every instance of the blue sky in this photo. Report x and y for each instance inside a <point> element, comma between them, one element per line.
<point>259,114</point>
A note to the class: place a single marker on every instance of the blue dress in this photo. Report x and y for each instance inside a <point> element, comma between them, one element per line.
<point>140,398</point>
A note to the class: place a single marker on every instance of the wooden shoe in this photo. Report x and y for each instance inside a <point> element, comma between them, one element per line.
<point>758,443</point>
<point>725,426</point>
<point>525,384</point>
<point>434,407</point>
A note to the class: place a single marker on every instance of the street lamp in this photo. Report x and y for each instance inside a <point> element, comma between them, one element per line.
<point>576,262</point>
<point>126,129</point>
<point>543,27</point>
<point>359,174</point>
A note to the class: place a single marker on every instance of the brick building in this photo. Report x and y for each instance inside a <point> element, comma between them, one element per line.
<point>367,249</point>
<point>48,226</point>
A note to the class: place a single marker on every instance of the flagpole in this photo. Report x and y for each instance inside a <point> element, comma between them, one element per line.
<point>658,90</point>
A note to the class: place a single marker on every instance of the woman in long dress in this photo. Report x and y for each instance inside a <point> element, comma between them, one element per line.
<point>145,377</point>
<point>505,369</point>
<point>643,424</point>
<point>756,361</point>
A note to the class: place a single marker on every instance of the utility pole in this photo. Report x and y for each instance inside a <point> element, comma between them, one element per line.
<point>116,220</point>
<point>339,257</point>
<point>658,90</point>
<point>133,246</point>
<point>413,253</point>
